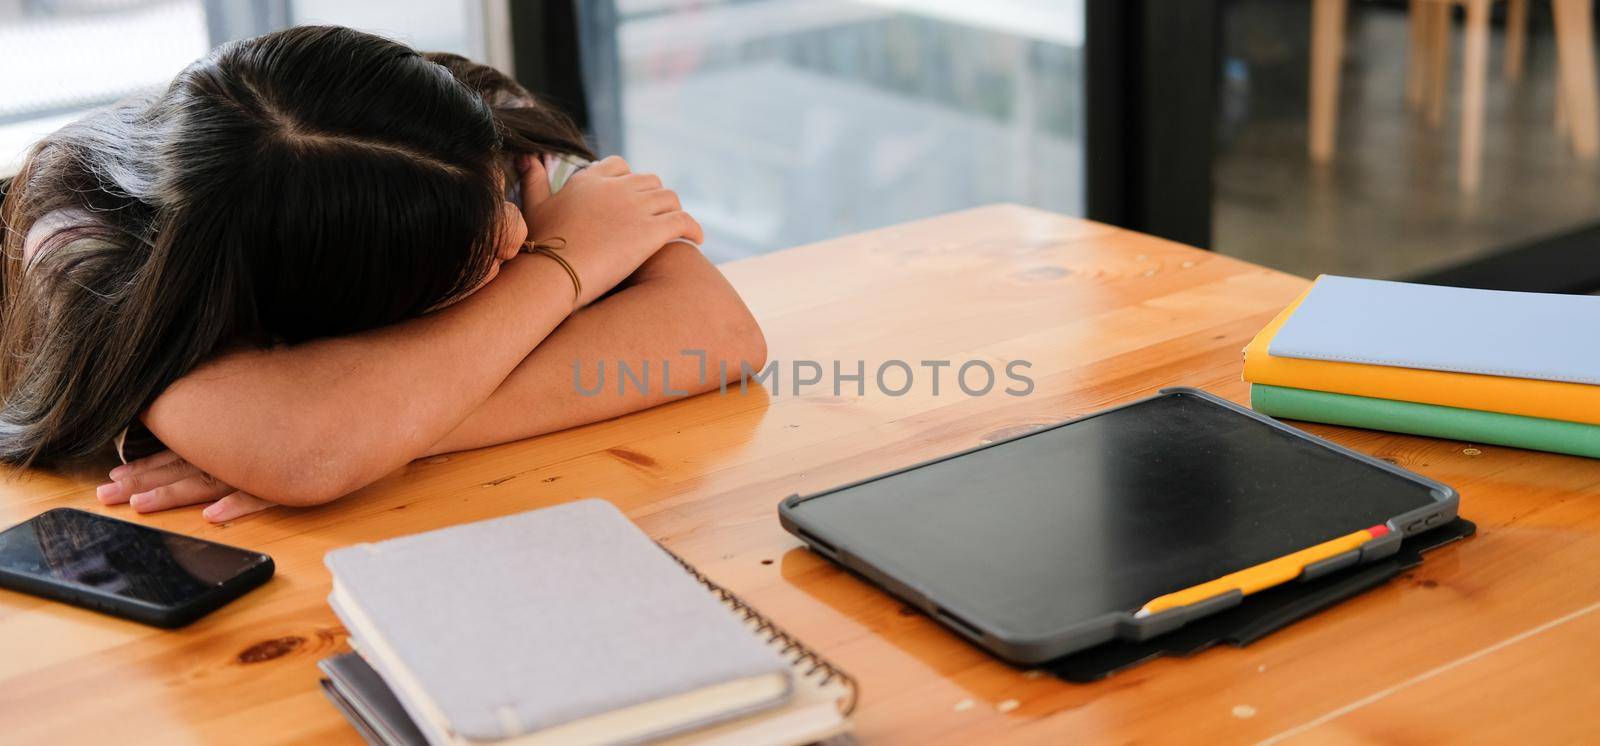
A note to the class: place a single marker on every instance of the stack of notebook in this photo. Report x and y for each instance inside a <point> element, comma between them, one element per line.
<point>564,625</point>
<point>1481,366</point>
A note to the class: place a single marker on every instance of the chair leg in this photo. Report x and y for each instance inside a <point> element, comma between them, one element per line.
<point>1575,46</point>
<point>1416,54</point>
<point>1327,48</point>
<point>1561,107</point>
<point>1475,71</point>
<point>1516,38</point>
<point>1439,63</point>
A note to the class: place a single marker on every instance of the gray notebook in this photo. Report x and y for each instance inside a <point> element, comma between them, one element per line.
<point>560,624</point>
<point>1404,325</point>
<point>369,705</point>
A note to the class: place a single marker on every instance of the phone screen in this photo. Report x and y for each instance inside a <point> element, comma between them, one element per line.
<point>82,549</point>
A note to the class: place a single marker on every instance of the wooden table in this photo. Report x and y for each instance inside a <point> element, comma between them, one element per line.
<point>1496,638</point>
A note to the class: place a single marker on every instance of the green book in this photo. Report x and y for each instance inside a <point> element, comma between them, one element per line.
<point>1472,425</point>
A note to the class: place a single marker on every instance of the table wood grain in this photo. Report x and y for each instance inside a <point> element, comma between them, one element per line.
<point>1495,638</point>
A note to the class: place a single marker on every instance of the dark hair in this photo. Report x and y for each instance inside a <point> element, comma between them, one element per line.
<point>312,182</point>
<point>526,123</point>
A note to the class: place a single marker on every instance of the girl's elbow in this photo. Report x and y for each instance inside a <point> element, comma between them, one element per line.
<point>753,342</point>
<point>744,344</point>
<point>305,494</point>
<point>296,488</point>
<point>305,477</point>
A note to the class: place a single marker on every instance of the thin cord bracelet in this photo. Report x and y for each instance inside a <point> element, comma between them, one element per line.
<point>548,247</point>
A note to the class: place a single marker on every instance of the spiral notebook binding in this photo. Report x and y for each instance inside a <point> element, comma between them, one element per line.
<point>797,653</point>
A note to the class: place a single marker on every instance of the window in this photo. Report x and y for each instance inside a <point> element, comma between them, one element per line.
<point>65,57</point>
<point>781,122</point>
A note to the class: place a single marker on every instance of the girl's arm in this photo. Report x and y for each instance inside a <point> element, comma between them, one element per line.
<point>305,424</point>
<point>677,301</point>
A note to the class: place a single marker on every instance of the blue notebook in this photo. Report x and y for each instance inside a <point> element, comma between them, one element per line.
<point>1404,325</point>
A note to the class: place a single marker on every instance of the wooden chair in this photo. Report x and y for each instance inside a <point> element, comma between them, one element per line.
<point>1427,72</point>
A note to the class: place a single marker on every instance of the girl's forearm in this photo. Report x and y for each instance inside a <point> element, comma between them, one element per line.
<point>676,301</point>
<point>308,423</point>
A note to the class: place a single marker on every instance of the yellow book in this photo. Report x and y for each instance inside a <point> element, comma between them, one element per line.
<point>1530,397</point>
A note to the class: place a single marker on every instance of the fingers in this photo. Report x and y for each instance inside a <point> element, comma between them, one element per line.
<point>692,230</point>
<point>191,491</point>
<point>164,481</point>
<point>681,224</point>
<point>234,505</point>
<point>535,185</point>
<point>144,464</point>
<point>642,182</point>
<point>609,166</point>
<point>131,483</point>
<point>662,201</point>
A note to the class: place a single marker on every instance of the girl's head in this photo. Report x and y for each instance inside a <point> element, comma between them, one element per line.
<point>526,125</point>
<point>311,182</point>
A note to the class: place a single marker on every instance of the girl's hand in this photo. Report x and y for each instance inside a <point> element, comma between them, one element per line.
<point>166,480</point>
<point>611,219</point>
<point>535,186</point>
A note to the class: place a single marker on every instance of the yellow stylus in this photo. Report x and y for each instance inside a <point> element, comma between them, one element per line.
<point>1265,575</point>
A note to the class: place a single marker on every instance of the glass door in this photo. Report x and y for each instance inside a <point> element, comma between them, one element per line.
<point>782,122</point>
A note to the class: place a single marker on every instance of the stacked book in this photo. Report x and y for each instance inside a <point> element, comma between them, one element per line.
<point>1482,366</point>
<point>564,626</point>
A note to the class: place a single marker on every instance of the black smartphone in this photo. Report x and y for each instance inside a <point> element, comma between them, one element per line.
<point>125,569</point>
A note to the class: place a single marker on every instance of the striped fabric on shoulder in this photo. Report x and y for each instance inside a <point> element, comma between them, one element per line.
<point>561,168</point>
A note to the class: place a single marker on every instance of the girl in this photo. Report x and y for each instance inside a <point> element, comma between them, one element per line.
<point>296,268</point>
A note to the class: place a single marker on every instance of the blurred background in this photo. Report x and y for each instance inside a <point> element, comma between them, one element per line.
<point>1452,141</point>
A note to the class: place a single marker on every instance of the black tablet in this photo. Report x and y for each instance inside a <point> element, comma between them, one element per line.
<point>1055,540</point>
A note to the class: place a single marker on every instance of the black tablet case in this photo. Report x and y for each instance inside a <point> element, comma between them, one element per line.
<point>1118,624</point>
<point>1260,614</point>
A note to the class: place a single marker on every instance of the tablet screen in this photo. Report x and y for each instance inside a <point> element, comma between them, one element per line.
<point>1106,513</point>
